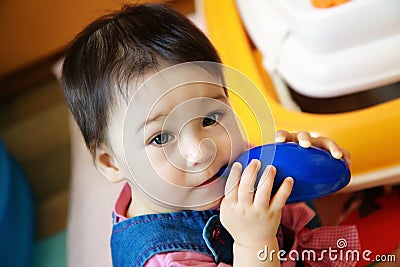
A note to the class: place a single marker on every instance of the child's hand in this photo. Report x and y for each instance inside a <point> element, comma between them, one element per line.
<point>249,216</point>
<point>305,140</point>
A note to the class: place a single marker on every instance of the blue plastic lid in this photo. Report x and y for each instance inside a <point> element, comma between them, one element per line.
<point>315,172</point>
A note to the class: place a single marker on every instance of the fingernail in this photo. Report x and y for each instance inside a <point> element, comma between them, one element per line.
<point>258,164</point>
<point>305,143</point>
<point>267,169</point>
<point>280,139</point>
<point>236,164</point>
<point>337,154</point>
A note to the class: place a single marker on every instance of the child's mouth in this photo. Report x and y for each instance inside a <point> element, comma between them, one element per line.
<point>209,181</point>
<point>220,173</point>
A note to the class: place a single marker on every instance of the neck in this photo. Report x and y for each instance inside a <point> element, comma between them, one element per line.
<point>138,206</point>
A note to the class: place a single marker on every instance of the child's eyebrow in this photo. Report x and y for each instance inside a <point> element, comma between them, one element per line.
<point>220,97</point>
<point>155,118</point>
<point>158,116</point>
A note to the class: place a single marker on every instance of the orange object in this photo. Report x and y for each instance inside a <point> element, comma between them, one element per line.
<point>370,134</point>
<point>33,30</point>
<point>327,3</point>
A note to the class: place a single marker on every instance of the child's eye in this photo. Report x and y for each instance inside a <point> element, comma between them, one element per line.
<point>212,119</point>
<point>161,139</point>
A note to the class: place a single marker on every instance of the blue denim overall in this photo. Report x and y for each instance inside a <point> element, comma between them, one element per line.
<point>136,240</point>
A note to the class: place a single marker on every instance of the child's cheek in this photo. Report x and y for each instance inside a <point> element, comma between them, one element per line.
<point>162,166</point>
<point>231,143</point>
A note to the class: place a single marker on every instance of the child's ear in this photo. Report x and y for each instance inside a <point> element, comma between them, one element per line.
<point>108,165</point>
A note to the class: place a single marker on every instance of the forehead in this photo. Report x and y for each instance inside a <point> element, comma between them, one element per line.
<point>169,87</point>
<point>176,77</point>
<point>186,93</point>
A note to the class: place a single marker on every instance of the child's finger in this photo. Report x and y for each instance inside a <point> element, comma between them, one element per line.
<point>246,185</point>
<point>329,145</point>
<point>281,196</point>
<point>281,135</point>
<point>232,184</point>
<point>264,187</point>
<point>285,136</point>
<point>304,139</point>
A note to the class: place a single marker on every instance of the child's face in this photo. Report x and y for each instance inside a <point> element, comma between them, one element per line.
<point>177,136</point>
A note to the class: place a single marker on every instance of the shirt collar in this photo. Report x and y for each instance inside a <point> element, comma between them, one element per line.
<point>122,204</point>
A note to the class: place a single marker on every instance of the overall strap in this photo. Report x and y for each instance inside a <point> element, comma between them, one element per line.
<point>137,239</point>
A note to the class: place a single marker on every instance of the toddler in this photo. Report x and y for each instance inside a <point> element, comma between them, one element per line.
<point>174,209</point>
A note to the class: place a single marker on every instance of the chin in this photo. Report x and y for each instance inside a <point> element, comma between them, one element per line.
<point>209,206</point>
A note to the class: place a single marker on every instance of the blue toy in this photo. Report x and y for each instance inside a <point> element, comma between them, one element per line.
<point>16,213</point>
<point>315,172</point>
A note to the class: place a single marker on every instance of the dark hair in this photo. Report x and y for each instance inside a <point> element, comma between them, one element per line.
<point>120,46</point>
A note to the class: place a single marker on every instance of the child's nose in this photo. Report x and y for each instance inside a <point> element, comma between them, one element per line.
<point>195,148</point>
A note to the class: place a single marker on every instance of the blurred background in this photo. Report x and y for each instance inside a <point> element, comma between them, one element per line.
<point>34,120</point>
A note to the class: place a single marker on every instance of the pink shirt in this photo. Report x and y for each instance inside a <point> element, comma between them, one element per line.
<point>169,259</point>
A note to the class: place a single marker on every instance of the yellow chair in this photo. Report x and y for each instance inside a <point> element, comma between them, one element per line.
<point>372,135</point>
